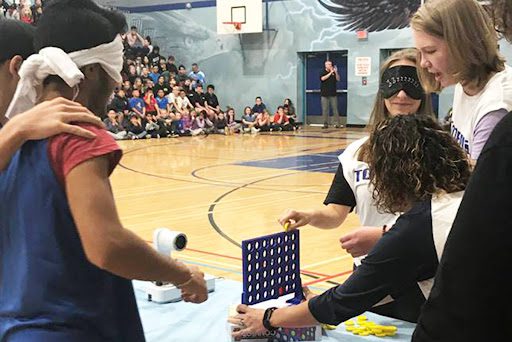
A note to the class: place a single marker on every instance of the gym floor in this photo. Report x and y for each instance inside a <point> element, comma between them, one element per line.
<point>220,190</point>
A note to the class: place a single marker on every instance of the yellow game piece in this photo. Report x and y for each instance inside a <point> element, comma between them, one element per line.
<point>349,328</point>
<point>365,333</point>
<point>349,323</point>
<point>389,328</point>
<point>328,327</point>
<point>362,318</point>
<point>381,335</point>
<point>286,226</point>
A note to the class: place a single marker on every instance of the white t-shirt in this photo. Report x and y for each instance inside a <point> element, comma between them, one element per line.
<point>183,102</point>
<point>469,110</point>
<point>443,210</point>
<point>357,175</point>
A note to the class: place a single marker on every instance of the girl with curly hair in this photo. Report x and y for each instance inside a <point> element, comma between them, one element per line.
<point>415,168</point>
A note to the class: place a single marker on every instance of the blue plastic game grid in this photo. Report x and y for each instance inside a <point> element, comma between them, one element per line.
<point>271,268</point>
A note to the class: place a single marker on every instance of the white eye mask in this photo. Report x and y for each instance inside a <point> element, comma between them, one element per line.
<point>54,61</point>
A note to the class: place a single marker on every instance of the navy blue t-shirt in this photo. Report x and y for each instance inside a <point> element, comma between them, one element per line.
<point>49,291</point>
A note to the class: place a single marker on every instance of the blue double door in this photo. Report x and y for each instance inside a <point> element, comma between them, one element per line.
<point>314,65</point>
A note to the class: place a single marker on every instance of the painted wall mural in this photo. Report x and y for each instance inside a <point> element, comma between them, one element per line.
<point>372,15</point>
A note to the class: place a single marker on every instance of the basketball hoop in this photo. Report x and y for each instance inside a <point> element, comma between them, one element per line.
<point>236,24</point>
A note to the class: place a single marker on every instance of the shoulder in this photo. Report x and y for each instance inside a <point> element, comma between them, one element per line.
<point>501,137</point>
<point>352,149</point>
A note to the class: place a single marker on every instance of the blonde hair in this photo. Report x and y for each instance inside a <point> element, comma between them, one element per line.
<point>471,38</point>
<point>380,112</point>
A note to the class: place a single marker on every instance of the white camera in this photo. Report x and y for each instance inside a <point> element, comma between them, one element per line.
<point>165,241</point>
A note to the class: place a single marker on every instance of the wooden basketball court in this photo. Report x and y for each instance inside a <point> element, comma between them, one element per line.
<point>220,190</point>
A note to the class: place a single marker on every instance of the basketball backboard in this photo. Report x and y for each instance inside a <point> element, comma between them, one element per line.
<point>239,16</point>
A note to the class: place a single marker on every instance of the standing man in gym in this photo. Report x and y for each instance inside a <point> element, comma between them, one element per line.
<point>328,77</point>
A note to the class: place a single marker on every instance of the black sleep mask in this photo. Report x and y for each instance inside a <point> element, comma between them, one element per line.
<point>401,77</point>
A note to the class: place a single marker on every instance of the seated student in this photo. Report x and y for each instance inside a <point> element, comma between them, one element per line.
<point>258,106</point>
<point>150,101</point>
<point>154,127</point>
<point>183,104</point>
<point>233,126</point>
<point>127,88</point>
<point>292,119</point>
<point>281,121</point>
<point>264,122</point>
<point>291,108</point>
<point>113,126</point>
<point>137,105</point>
<point>162,102</point>
<point>137,84</point>
<point>67,238</point>
<point>212,102</point>
<point>221,124</point>
<point>154,75</point>
<point>162,85</point>
<point>418,169</point>
<point>172,99</point>
<point>171,65</point>
<point>136,128</point>
<point>120,103</point>
<point>178,126</point>
<point>154,57</point>
<point>198,99</point>
<point>249,121</point>
<point>196,126</point>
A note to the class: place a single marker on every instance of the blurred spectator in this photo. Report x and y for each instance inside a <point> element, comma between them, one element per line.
<point>233,126</point>
<point>137,105</point>
<point>37,10</point>
<point>127,88</point>
<point>154,127</point>
<point>220,124</point>
<point>197,76</point>
<point>12,13</point>
<point>120,103</point>
<point>172,99</point>
<point>171,65</point>
<point>182,74</point>
<point>281,121</point>
<point>154,75</point>
<point>161,101</point>
<point>136,43</point>
<point>249,121</point>
<point>135,128</point>
<point>4,7</point>
<point>154,56</point>
<point>212,102</point>
<point>198,99</point>
<point>113,126</point>
<point>150,101</point>
<point>26,15</point>
<point>264,122</point>
<point>291,108</point>
<point>259,106</point>
<point>183,104</point>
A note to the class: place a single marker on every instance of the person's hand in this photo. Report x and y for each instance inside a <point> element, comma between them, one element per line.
<point>195,290</point>
<point>249,320</point>
<point>360,241</point>
<point>296,218</point>
<point>54,117</point>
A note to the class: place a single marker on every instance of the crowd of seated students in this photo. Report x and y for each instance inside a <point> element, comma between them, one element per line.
<point>24,10</point>
<point>159,99</point>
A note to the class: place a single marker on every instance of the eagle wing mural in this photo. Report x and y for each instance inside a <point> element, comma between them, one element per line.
<point>372,15</point>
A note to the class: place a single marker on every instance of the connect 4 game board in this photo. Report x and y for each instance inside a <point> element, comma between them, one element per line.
<point>271,269</point>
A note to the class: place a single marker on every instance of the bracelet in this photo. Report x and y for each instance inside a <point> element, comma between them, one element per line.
<point>179,286</point>
<point>384,231</point>
<point>266,319</point>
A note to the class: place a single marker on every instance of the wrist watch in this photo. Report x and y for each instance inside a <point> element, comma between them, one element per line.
<point>266,319</point>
